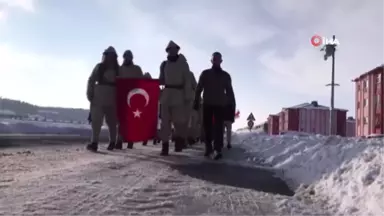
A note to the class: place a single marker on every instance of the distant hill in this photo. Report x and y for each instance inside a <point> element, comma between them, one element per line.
<point>24,109</point>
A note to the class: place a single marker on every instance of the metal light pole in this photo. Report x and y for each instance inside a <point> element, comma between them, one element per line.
<point>330,50</point>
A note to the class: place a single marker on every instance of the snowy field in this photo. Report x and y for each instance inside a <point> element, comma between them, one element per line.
<point>341,175</point>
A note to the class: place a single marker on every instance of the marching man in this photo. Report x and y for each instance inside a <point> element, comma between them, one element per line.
<point>101,90</point>
<point>218,93</point>
<point>174,73</point>
<point>128,70</point>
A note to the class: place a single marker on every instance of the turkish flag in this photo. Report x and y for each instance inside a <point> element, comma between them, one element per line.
<point>137,108</point>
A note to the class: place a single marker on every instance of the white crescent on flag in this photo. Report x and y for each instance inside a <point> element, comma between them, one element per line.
<point>138,91</point>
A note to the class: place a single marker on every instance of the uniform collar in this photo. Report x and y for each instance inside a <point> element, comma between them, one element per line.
<point>173,58</point>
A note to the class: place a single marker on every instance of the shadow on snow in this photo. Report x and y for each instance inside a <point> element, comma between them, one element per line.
<point>223,173</point>
<point>235,176</point>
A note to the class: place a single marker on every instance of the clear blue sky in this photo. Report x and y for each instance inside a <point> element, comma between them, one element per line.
<point>49,47</point>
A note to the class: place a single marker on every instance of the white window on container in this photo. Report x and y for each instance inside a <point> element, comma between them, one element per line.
<point>378,78</point>
<point>365,120</point>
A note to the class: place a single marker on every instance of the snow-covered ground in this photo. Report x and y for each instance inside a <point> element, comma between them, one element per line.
<point>341,175</point>
<point>331,175</point>
<point>67,180</point>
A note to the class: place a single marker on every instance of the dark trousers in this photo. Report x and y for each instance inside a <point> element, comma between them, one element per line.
<point>216,129</point>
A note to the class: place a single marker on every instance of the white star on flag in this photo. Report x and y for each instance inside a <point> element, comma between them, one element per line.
<point>137,113</point>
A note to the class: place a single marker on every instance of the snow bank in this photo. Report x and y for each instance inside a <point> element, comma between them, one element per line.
<point>344,174</point>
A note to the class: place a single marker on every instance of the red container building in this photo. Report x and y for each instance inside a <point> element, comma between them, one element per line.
<point>312,118</point>
<point>273,124</point>
<point>370,102</point>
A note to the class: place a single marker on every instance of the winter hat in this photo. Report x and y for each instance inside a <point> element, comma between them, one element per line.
<point>171,44</point>
<point>147,75</point>
<point>110,50</point>
<point>128,54</point>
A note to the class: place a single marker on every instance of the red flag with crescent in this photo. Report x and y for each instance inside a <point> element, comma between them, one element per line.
<point>137,108</point>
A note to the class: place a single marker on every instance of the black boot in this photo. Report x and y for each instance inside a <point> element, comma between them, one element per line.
<point>119,145</point>
<point>208,149</point>
<point>191,141</point>
<point>179,142</point>
<point>165,149</point>
<point>92,147</point>
<point>208,153</point>
<point>145,143</point>
<point>111,146</point>
<point>184,143</point>
<point>218,155</point>
<point>130,145</point>
<point>155,142</point>
<point>229,146</point>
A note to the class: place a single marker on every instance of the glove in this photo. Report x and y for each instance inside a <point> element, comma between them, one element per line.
<point>196,105</point>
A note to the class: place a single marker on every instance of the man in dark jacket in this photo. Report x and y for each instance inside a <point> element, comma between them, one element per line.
<point>218,92</point>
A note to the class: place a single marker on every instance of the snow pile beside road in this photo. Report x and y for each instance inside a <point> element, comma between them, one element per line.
<point>345,175</point>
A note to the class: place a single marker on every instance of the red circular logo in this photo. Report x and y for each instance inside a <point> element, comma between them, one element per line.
<point>316,40</point>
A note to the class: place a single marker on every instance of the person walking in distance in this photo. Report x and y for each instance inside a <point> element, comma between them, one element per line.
<point>128,70</point>
<point>217,86</point>
<point>101,90</point>
<point>173,76</point>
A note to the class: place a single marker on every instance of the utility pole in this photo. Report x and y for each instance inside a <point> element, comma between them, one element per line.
<point>330,50</point>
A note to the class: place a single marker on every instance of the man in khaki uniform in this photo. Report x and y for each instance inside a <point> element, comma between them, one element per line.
<point>174,74</point>
<point>128,70</point>
<point>101,92</point>
<point>192,114</point>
